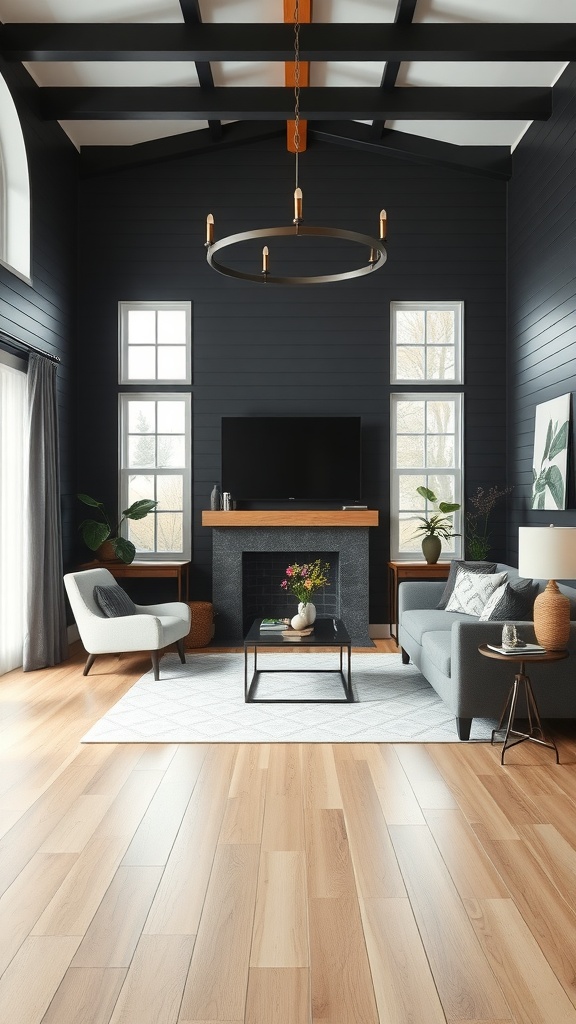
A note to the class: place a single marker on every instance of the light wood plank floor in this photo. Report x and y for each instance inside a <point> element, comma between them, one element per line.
<point>275,884</point>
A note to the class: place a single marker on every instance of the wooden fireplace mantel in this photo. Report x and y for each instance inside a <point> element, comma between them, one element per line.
<point>292,517</point>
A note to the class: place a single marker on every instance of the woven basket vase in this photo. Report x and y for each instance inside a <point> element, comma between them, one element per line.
<point>552,618</point>
<point>201,625</point>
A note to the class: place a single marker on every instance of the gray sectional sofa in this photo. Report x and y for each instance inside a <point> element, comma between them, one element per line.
<point>444,646</point>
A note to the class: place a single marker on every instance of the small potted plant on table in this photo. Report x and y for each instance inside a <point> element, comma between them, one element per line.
<point>437,527</point>
<point>100,536</point>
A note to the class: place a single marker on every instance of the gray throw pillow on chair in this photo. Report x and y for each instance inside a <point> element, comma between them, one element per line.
<point>114,602</point>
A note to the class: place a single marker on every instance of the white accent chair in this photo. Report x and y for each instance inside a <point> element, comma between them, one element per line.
<point>155,627</point>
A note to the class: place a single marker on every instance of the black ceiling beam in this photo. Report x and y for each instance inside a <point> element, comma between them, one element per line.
<point>403,16</point>
<point>275,42</point>
<point>192,16</point>
<point>274,103</point>
<point>487,161</point>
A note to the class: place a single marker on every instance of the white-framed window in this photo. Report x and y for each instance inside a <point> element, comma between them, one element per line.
<point>426,342</point>
<point>426,451</point>
<point>155,342</point>
<point>155,463</point>
<point>15,238</point>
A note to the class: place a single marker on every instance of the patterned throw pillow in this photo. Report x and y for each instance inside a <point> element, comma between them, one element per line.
<point>113,601</point>
<point>483,567</point>
<point>472,590</point>
<point>513,600</point>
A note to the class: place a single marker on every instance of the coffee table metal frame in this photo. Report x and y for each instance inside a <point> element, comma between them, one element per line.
<point>327,633</point>
<point>536,731</point>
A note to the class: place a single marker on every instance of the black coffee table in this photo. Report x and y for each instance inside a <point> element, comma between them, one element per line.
<point>327,633</point>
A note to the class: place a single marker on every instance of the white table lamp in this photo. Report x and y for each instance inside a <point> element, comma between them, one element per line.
<point>549,552</point>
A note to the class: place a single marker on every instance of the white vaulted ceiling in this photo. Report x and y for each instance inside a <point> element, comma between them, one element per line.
<point>82,93</point>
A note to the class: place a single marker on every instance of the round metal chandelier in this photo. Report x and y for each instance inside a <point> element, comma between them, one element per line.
<point>376,246</point>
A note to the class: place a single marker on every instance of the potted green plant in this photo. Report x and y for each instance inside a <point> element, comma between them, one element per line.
<point>96,533</point>
<point>437,527</point>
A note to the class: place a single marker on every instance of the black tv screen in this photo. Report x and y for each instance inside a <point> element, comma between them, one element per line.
<point>304,458</point>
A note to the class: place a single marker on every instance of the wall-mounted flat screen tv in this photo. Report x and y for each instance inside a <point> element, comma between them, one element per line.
<point>292,458</point>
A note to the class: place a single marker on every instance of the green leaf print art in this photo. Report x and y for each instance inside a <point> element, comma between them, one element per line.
<point>549,469</point>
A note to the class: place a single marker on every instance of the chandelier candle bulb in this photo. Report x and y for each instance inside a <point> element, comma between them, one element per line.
<point>209,229</point>
<point>383,221</point>
<point>265,254</point>
<point>297,205</point>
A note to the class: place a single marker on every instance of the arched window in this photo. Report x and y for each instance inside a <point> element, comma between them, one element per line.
<point>14,189</point>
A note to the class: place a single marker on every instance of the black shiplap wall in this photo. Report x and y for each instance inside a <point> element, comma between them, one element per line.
<point>42,313</point>
<point>542,291</point>
<point>300,351</point>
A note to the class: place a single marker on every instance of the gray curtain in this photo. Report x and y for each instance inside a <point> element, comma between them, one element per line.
<point>45,642</point>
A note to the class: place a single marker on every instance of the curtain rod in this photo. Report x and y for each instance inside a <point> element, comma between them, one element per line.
<point>9,339</point>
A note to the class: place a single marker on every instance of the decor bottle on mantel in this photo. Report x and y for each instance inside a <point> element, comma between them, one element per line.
<point>215,499</point>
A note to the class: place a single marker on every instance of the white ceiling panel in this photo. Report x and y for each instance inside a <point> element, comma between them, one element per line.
<point>90,11</point>
<point>109,74</point>
<point>125,133</point>
<point>464,133</point>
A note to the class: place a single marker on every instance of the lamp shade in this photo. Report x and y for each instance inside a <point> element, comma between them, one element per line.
<point>547,552</point>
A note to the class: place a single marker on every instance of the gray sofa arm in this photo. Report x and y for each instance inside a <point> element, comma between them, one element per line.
<point>419,594</point>
<point>468,636</point>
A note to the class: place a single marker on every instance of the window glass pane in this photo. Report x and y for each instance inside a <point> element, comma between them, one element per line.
<point>408,541</point>
<point>172,363</point>
<point>410,327</point>
<point>440,417</point>
<point>440,326</point>
<point>410,451</point>
<point>170,493</point>
<point>441,450</point>
<point>142,450</point>
<point>170,531</point>
<point>443,486</point>
<point>171,327</point>
<point>171,417</point>
<point>171,450</point>
<point>409,498</point>
<point>410,417</point>
<point>410,363</point>
<point>440,363</point>
<point>141,363</point>
<point>141,417</point>
<point>140,487</point>
<point>141,327</point>
<point>141,533</point>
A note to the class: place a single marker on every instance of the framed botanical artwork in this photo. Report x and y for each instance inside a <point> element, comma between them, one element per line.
<point>550,465</point>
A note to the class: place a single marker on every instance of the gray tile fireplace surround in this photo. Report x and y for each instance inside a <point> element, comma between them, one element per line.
<point>349,544</point>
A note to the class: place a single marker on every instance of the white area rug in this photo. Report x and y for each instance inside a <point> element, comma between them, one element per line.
<point>203,701</point>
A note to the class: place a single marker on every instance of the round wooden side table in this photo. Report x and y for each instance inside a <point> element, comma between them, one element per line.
<point>536,733</point>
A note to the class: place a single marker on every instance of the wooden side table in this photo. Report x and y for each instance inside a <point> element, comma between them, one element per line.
<point>536,734</point>
<point>150,570</point>
<point>398,571</point>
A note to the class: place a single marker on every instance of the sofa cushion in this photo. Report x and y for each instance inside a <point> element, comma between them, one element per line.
<point>483,567</point>
<point>429,620</point>
<point>114,602</point>
<point>472,590</point>
<point>513,600</point>
<point>438,649</point>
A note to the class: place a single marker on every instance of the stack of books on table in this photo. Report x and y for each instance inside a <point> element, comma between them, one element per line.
<point>297,634</point>
<point>273,625</point>
<point>519,651</point>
